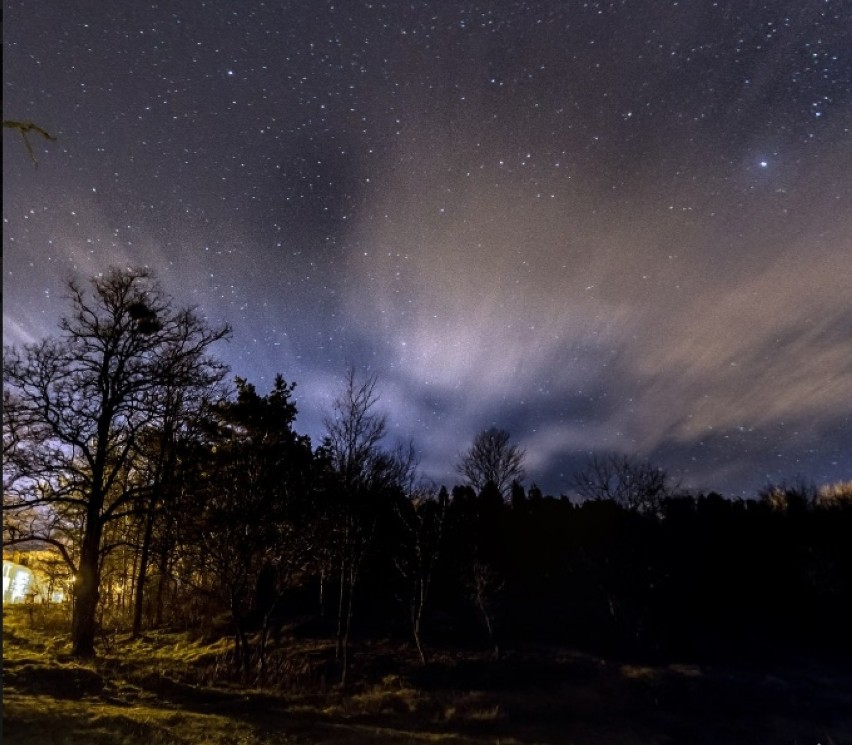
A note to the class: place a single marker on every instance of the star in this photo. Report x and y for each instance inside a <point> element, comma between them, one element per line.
<point>282,166</point>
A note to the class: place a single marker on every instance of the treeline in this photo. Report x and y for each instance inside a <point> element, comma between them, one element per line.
<point>174,498</point>
<point>703,578</point>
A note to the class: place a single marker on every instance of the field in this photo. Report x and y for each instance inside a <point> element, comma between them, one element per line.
<point>167,688</point>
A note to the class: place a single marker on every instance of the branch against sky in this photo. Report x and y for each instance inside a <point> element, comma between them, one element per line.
<point>492,458</point>
<point>25,129</point>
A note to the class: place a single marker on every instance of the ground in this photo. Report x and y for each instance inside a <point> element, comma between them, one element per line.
<point>167,688</point>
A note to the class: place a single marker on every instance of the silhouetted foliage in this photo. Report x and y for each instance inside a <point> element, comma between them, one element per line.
<point>251,508</point>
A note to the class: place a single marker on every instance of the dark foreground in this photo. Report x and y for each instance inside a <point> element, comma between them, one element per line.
<point>166,688</point>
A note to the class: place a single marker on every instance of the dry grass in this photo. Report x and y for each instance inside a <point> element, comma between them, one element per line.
<point>47,720</point>
<point>164,688</point>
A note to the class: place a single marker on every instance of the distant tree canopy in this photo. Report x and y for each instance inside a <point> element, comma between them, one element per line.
<point>624,479</point>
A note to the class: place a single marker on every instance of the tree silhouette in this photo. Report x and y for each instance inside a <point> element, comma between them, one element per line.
<point>250,498</point>
<point>628,481</point>
<point>360,483</point>
<point>422,515</point>
<point>491,458</point>
<point>181,402</point>
<point>79,404</point>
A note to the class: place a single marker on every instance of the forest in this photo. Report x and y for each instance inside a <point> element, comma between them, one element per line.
<point>162,495</point>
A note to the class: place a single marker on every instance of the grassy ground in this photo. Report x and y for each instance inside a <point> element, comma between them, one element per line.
<point>166,688</point>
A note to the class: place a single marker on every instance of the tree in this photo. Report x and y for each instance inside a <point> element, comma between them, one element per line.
<point>486,586</point>
<point>361,480</point>
<point>480,522</point>
<point>837,494</point>
<point>182,403</point>
<point>77,406</point>
<point>492,459</point>
<point>632,483</point>
<point>247,531</point>
<point>795,496</point>
<point>422,515</point>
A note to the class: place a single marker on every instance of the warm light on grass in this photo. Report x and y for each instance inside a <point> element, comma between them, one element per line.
<point>161,689</point>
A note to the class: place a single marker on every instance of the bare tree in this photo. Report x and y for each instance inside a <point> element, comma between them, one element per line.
<point>486,587</point>
<point>361,476</point>
<point>354,429</point>
<point>492,459</point>
<point>635,484</point>
<point>78,404</point>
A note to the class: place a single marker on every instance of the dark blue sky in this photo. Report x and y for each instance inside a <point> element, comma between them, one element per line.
<point>602,226</point>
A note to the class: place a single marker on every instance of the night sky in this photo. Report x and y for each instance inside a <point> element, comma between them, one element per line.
<point>601,226</point>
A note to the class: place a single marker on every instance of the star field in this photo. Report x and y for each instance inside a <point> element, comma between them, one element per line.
<point>601,226</point>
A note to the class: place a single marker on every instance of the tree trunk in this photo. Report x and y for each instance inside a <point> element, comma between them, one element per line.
<point>344,672</point>
<point>353,576</point>
<point>162,579</point>
<point>417,625</point>
<point>126,579</point>
<point>241,652</point>
<point>241,646</point>
<point>489,627</point>
<point>261,651</point>
<point>142,570</point>
<point>338,650</point>
<point>87,593</point>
